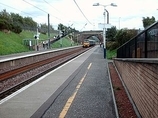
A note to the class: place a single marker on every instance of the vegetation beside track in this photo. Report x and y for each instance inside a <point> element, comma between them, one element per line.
<point>111,54</point>
<point>11,42</point>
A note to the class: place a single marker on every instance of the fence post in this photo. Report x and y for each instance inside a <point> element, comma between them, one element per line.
<point>146,47</point>
<point>135,41</point>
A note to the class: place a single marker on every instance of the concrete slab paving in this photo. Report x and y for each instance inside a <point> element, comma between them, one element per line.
<point>26,102</point>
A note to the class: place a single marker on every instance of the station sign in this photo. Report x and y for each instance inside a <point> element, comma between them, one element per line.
<point>101,25</point>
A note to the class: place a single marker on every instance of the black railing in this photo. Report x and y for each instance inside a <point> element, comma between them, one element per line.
<point>143,45</point>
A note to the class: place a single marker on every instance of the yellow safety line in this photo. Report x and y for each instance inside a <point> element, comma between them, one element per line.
<point>70,100</point>
<point>89,66</point>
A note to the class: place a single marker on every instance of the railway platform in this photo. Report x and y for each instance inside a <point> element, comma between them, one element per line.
<point>80,88</point>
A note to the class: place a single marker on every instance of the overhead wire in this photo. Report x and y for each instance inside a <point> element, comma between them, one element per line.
<point>51,5</point>
<point>26,12</point>
<point>42,10</point>
<point>82,12</point>
<point>83,27</point>
<point>15,9</point>
<point>23,11</point>
<point>59,11</point>
<point>20,11</point>
<point>35,6</point>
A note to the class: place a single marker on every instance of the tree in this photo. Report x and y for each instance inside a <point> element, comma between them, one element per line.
<point>17,29</point>
<point>4,25</point>
<point>17,22</point>
<point>5,16</point>
<point>110,33</point>
<point>5,20</point>
<point>43,28</point>
<point>125,35</point>
<point>148,21</point>
<point>17,19</point>
<point>30,24</point>
<point>60,27</point>
<point>51,29</point>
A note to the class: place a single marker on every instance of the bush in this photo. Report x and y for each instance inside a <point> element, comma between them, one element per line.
<point>4,25</point>
<point>16,29</point>
<point>112,45</point>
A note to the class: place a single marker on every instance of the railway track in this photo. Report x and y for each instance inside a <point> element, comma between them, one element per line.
<point>13,85</point>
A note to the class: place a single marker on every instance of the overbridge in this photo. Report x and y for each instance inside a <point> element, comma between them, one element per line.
<point>87,34</point>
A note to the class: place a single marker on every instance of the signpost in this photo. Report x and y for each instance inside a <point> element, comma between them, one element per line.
<point>104,27</point>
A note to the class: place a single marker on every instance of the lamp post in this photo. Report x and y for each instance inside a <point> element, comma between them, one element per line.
<point>104,29</point>
<point>119,22</point>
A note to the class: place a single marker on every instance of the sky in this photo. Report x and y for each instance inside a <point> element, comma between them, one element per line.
<point>82,15</point>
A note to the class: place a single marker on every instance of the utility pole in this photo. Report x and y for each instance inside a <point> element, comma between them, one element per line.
<point>37,38</point>
<point>48,32</point>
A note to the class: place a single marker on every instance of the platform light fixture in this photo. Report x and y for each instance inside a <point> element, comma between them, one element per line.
<point>104,29</point>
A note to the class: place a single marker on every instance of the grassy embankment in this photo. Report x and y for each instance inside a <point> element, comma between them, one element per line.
<point>11,43</point>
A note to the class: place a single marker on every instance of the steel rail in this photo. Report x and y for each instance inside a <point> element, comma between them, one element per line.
<point>16,72</point>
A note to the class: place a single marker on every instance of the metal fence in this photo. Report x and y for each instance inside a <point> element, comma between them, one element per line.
<point>143,45</point>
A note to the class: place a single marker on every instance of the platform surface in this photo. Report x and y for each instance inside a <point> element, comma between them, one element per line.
<point>80,87</point>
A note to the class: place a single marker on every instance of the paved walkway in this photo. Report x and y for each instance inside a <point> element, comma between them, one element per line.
<point>86,93</point>
<point>78,89</point>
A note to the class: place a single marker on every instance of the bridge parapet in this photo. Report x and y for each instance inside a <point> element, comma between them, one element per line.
<point>87,34</point>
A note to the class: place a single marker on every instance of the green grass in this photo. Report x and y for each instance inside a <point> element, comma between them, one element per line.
<point>11,43</point>
<point>66,42</point>
<point>111,54</point>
